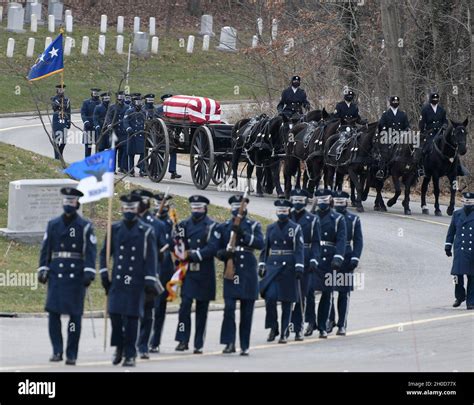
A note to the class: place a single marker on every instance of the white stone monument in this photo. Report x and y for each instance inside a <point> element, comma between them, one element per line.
<point>205,42</point>
<point>103,23</point>
<point>120,24</point>
<point>31,204</point>
<point>136,25</point>
<point>56,8</point>
<point>140,43</point>
<point>47,42</point>
<point>32,7</point>
<point>260,26</point>
<point>206,25</point>
<point>34,23</point>
<point>69,23</point>
<point>101,47</point>
<point>152,24</point>
<point>10,47</point>
<point>85,46</point>
<point>274,29</point>
<point>1,14</point>
<point>254,41</point>
<point>228,40</point>
<point>155,43</point>
<point>68,46</point>
<point>30,48</point>
<point>15,18</point>
<point>190,45</point>
<point>119,45</point>
<point>51,23</point>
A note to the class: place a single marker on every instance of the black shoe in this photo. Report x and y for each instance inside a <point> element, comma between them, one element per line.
<point>341,331</point>
<point>56,357</point>
<point>182,346</point>
<point>272,335</point>
<point>330,326</point>
<point>323,334</point>
<point>175,176</point>
<point>457,303</point>
<point>309,330</point>
<point>299,337</point>
<point>155,349</point>
<point>229,348</point>
<point>117,359</point>
<point>130,362</point>
<point>198,351</point>
<point>144,356</point>
<point>70,362</point>
<point>244,352</point>
<point>283,340</point>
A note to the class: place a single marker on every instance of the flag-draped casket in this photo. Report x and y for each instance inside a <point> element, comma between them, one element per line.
<point>200,110</point>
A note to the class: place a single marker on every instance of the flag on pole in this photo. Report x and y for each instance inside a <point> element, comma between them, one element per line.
<point>95,175</point>
<point>50,62</point>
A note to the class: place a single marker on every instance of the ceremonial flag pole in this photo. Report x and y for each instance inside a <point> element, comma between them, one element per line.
<point>61,75</point>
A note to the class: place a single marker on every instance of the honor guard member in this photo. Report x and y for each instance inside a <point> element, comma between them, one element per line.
<point>333,247</point>
<point>293,99</point>
<point>128,100</point>
<point>133,249</point>
<point>345,276</point>
<point>347,109</point>
<point>461,234</point>
<point>146,322</point>
<point>61,106</point>
<point>310,228</point>
<point>67,264</point>
<point>281,265</point>
<point>102,133</point>
<point>433,116</point>
<point>114,121</point>
<point>149,107</point>
<point>87,116</point>
<point>244,286</point>
<point>134,123</point>
<point>173,157</point>
<point>166,267</point>
<point>200,280</point>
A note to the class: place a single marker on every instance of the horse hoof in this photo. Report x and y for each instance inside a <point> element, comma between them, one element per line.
<point>438,213</point>
<point>425,211</point>
<point>383,208</point>
<point>407,212</point>
<point>377,208</point>
<point>391,203</point>
<point>360,209</point>
<point>450,211</point>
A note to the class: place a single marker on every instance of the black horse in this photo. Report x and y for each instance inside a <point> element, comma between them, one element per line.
<point>442,159</point>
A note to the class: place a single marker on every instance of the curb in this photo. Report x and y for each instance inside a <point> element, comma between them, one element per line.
<point>171,309</point>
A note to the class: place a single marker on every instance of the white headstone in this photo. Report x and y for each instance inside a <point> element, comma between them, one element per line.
<point>152,26</point>
<point>56,8</point>
<point>228,39</point>
<point>119,45</point>
<point>34,23</point>
<point>103,23</point>
<point>120,23</point>
<point>10,47</point>
<point>155,43</point>
<point>51,23</point>
<point>32,7</point>
<point>85,46</point>
<point>260,26</point>
<point>274,29</point>
<point>15,18</point>
<point>140,43</point>
<point>68,46</point>
<point>69,23</point>
<point>254,41</point>
<point>205,42</point>
<point>136,25</point>
<point>101,48</point>
<point>47,42</point>
<point>206,25</point>
<point>1,13</point>
<point>67,12</point>
<point>190,46</point>
<point>30,48</point>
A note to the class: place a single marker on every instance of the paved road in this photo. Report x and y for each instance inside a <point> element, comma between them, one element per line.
<point>401,320</point>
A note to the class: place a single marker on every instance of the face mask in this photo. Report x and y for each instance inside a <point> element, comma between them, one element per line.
<point>69,209</point>
<point>299,206</point>
<point>394,105</point>
<point>341,209</point>
<point>323,206</point>
<point>434,102</point>
<point>348,97</point>
<point>197,215</point>
<point>282,217</point>
<point>295,84</point>
<point>129,216</point>
<point>468,209</point>
<point>106,103</point>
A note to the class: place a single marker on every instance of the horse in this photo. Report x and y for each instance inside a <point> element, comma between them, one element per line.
<point>354,159</point>
<point>442,159</point>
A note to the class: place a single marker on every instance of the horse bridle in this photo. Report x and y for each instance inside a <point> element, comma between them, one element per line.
<point>445,142</point>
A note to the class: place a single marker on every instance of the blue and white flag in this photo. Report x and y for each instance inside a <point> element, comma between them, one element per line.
<point>50,62</point>
<point>95,175</point>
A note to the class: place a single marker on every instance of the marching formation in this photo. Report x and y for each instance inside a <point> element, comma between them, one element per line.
<point>152,254</point>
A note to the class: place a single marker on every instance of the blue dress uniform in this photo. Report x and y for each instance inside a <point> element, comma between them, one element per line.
<point>430,120</point>
<point>134,274</point>
<point>167,268</point>
<point>102,133</point>
<point>345,276</point>
<point>67,263</point>
<point>134,123</point>
<point>461,235</point>
<point>283,261</point>
<point>393,118</point>
<point>61,122</point>
<point>244,286</point>
<point>333,247</point>
<point>293,99</point>
<point>200,281</point>
<point>312,245</point>
<point>87,116</point>
<point>114,120</point>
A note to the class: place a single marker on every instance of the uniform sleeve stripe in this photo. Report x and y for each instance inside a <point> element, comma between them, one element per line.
<point>164,248</point>
<point>299,265</point>
<point>199,254</point>
<point>90,269</point>
<point>355,258</point>
<point>341,257</point>
<point>43,268</point>
<point>104,270</point>
<point>448,244</point>
<point>150,278</point>
<point>314,260</point>
<point>261,264</point>
<point>251,239</point>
